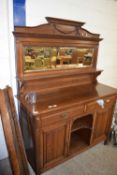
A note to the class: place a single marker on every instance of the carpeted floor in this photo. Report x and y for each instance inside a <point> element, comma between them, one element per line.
<point>99,160</point>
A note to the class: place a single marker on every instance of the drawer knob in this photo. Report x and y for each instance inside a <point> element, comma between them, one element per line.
<point>65,115</point>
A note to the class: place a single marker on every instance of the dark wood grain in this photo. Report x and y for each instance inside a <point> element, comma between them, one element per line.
<point>66,119</point>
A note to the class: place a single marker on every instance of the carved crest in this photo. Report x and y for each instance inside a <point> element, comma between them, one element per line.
<point>57,27</point>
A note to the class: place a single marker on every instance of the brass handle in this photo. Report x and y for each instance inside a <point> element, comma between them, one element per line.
<point>65,115</point>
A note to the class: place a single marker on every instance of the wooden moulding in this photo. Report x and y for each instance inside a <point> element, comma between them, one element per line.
<point>57,28</point>
<point>55,33</point>
<point>50,84</point>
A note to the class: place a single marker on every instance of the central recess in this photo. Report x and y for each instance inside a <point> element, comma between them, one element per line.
<point>81,132</point>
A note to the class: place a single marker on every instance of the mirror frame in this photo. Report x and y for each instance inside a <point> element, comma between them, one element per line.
<point>56,33</point>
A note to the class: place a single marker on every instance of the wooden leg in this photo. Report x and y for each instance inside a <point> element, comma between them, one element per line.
<point>109,136</point>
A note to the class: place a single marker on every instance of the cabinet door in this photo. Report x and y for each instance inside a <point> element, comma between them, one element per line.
<point>102,125</point>
<point>54,145</point>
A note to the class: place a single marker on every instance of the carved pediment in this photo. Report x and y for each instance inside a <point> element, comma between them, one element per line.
<point>57,28</point>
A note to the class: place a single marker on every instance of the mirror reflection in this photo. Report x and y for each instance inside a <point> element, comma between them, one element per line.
<point>38,58</point>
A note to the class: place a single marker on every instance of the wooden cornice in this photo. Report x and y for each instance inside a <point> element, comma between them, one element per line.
<point>57,28</point>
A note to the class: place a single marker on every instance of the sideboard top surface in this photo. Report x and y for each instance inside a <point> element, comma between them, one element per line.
<point>68,98</point>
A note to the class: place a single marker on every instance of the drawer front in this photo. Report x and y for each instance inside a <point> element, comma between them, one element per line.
<point>101,104</point>
<point>56,118</point>
<point>90,107</point>
<point>62,116</point>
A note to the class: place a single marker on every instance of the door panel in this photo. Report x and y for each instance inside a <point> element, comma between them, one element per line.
<point>103,122</point>
<point>54,144</point>
<point>100,124</point>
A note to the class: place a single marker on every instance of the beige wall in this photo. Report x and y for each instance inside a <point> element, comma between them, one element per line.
<point>4,46</point>
<point>7,58</point>
<point>4,63</point>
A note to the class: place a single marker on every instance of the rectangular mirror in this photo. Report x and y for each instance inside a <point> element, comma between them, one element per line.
<point>37,58</point>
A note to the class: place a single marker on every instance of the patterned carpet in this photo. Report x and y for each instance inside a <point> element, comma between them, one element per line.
<point>99,160</point>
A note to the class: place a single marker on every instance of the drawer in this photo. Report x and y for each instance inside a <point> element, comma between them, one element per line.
<point>93,106</point>
<point>105,103</point>
<point>55,118</point>
<point>90,107</point>
<point>62,116</point>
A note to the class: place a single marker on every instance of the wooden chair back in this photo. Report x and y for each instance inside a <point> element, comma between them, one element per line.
<point>12,132</point>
